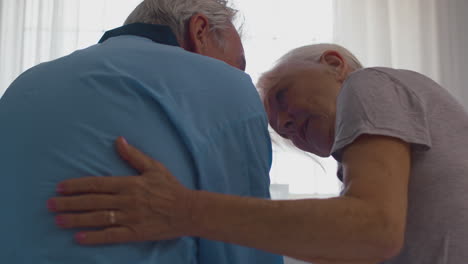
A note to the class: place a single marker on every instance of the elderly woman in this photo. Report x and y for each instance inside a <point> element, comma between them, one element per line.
<point>398,135</point>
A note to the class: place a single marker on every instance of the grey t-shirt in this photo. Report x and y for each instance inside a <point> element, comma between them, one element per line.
<point>409,106</point>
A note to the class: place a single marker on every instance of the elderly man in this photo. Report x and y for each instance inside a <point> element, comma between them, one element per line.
<point>399,136</point>
<point>199,115</point>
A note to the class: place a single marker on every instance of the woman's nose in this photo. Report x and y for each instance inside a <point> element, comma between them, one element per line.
<point>286,124</point>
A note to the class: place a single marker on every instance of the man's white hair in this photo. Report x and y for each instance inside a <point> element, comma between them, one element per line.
<point>303,57</point>
<point>176,14</point>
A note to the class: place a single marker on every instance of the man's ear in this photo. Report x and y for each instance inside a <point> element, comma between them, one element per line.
<point>198,30</point>
<point>336,61</point>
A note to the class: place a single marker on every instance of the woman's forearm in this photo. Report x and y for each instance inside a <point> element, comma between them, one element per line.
<point>364,225</point>
<point>341,229</point>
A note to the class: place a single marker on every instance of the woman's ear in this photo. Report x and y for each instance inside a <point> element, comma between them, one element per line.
<point>197,34</point>
<point>337,62</point>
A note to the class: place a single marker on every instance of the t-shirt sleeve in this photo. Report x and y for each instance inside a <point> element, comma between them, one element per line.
<point>374,103</point>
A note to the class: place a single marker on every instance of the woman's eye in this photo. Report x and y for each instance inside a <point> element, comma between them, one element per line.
<point>281,97</point>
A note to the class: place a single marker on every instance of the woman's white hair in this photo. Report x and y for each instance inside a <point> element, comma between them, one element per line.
<point>303,57</point>
<point>176,14</point>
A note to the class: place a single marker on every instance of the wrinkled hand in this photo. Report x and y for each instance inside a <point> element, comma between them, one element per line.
<point>152,206</point>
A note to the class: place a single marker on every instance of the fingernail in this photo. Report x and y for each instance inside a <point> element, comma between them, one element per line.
<point>60,188</point>
<point>124,141</point>
<point>60,220</point>
<point>80,237</point>
<point>52,205</point>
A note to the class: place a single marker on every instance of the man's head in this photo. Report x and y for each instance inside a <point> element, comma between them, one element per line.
<point>300,94</point>
<point>201,26</point>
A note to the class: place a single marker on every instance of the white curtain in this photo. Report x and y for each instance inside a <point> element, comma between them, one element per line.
<point>428,36</point>
<point>34,31</point>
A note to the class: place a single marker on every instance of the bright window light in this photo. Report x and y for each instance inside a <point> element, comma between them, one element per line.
<point>271,28</point>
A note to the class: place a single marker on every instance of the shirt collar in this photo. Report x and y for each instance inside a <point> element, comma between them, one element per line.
<point>158,33</point>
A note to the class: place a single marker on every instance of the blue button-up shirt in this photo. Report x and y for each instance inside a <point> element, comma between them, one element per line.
<point>202,118</point>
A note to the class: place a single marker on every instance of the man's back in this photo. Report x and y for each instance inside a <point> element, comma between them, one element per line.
<point>200,117</point>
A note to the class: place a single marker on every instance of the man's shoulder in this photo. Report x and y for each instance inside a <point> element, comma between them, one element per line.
<point>206,66</point>
<point>56,67</point>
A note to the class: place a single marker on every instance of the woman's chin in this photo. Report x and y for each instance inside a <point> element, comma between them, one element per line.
<point>321,153</point>
<point>316,151</point>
